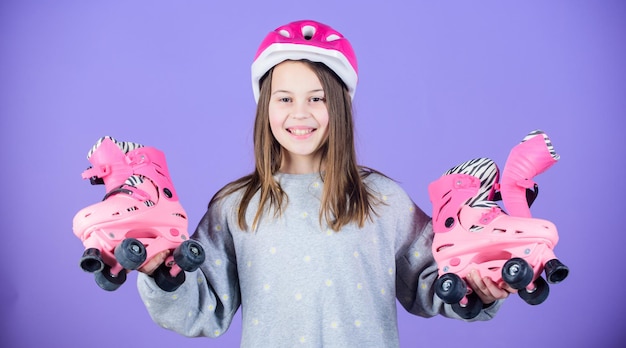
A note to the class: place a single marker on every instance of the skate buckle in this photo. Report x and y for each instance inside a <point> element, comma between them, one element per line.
<point>137,158</point>
<point>464,181</point>
<point>99,172</point>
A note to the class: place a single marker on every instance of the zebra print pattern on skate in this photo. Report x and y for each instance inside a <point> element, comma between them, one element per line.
<point>547,141</point>
<point>125,146</point>
<point>484,169</point>
<point>135,180</point>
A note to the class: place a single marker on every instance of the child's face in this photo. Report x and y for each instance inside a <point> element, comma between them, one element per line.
<point>298,115</point>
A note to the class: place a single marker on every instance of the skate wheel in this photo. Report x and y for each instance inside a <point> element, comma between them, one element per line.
<point>91,261</point>
<point>517,273</point>
<point>165,281</point>
<point>131,253</point>
<point>538,294</point>
<point>556,272</point>
<point>189,255</point>
<point>109,282</point>
<point>450,288</point>
<point>471,309</point>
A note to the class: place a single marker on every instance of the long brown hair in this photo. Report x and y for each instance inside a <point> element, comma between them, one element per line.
<point>345,198</point>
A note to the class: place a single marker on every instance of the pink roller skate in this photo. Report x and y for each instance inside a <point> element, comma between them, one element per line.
<point>139,217</point>
<point>472,232</point>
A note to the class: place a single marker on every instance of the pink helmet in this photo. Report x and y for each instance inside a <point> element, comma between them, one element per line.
<point>310,40</point>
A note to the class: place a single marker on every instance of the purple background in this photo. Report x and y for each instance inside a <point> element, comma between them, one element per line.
<point>439,84</point>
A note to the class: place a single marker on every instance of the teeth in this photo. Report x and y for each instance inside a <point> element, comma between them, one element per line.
<point>300,131</point>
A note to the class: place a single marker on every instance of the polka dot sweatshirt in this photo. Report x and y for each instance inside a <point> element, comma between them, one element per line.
<point>299,283</point>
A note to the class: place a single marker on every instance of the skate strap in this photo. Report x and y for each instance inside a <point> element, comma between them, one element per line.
<point>526,183</point>
<point>131,191</point>
<point>491,214</point>
<point>531,194</point>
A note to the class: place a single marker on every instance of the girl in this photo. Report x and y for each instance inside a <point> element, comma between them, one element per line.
<point>313,247</point>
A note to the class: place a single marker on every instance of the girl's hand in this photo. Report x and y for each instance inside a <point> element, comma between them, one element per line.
<point>154,263</point>
<point>486,289</point>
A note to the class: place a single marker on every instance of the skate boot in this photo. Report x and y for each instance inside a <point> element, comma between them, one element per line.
<point>533,156</point>
<point>139,217</point>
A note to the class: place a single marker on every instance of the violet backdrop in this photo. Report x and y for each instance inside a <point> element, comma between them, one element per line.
<point>440,83</point>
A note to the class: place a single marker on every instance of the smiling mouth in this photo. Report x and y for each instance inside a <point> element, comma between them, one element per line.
<point>300,131</point>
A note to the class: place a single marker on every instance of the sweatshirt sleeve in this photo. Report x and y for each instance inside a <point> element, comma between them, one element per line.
<point>417,271</point>
<point>204,305</point>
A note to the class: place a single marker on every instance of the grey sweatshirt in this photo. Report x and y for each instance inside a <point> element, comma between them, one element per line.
<point>299,283</point>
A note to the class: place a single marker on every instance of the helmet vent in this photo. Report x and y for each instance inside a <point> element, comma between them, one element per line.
<point>332,37</point>
<point>308,31</point>
<point>284,33</point>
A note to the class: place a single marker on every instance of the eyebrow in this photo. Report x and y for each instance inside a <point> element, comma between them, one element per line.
<point>286,91</point>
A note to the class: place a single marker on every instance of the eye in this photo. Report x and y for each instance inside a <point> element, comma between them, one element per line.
<point>318,99</point>
<point>284,99</point>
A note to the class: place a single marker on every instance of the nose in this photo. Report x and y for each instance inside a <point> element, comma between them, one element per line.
<point>300,109</point>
